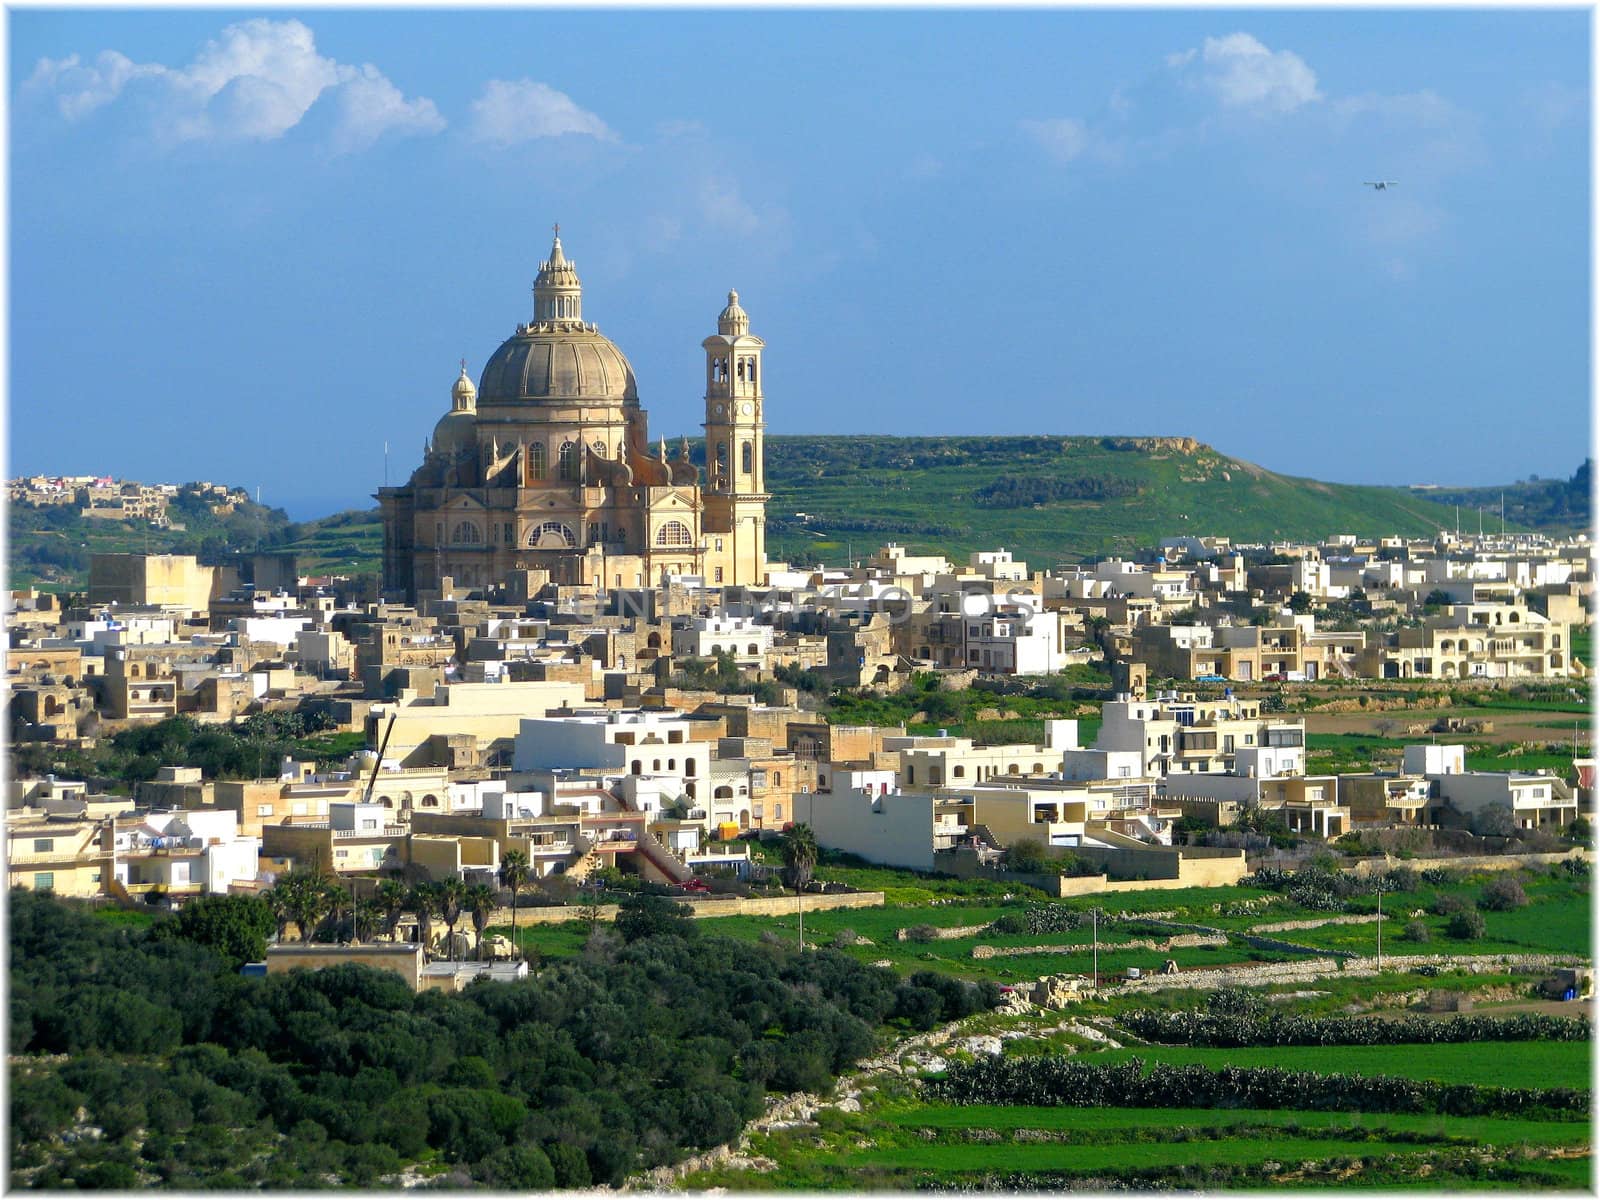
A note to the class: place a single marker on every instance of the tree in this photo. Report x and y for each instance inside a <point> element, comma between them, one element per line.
<point>391,896</point>
<point>1494,820</point>
<point>1300,602</point>
<point>452,892</point>
<point>1502,894</point>
<point>515,872</point>
<point>425,902</point>
<point>1467,925</point>
<point>646,916</point>
<point>236,927</point>
<point>481,902</point>
<point>1026,855</point>
<point>799,848</point>
<point>304,898</point>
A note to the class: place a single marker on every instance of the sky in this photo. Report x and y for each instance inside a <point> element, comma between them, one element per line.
<point>252,246</point>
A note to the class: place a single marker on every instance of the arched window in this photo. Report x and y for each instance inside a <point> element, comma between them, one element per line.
<point>537,465</point>
<point>748,458</point>
<point>466,533</point>
<point>722,461</point>
<point>673,533</point>
<point>552,535</point>
<point>567,462</point>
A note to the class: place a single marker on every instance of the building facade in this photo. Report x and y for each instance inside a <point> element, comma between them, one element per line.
<point>545,467</point>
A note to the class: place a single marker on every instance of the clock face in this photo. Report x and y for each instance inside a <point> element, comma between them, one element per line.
<point>748,408</point>
<point>719,410</point>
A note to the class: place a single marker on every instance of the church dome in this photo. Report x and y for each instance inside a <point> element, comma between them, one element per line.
<point>557,361</point>
<point>557,356</point>
<point>456,431</point>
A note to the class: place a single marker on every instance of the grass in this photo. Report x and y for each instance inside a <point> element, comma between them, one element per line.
<point>1487,1131</point>
<point>1518,1064</point>
<point>1101,1158</point>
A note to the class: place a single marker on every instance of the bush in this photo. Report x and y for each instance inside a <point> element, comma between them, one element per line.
<point>1502,894</point>
<point>1466,925</point>
<point>1416,931</point>
<point>1447,906</point>
<point>922,934</point>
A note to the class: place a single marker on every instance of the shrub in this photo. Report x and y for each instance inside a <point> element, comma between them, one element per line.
<point>1447,906</point>
<point>922,933</point>
<point>1502,894</point>
<point>1416,931</point>
<point>1466,925</point>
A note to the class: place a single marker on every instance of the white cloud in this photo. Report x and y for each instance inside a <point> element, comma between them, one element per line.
<point>1243,73</point>
<point>517,111</point>
<point>257,80</point>
<point>82,89</point>
<point>1063,138</point>
<point>370,106</point>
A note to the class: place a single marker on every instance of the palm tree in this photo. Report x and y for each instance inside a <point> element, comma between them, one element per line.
<point>452,891</point>
<point>390,897</point>
<point>366,914</point>
<point>481,901</point>
<point>278,900</point>
<point>799,848</point>
<point>515,872</point>
<point>424,901</point>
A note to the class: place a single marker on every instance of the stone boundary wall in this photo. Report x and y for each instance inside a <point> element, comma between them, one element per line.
<point>1307,970</point>
<point>1469,862</point>
<point>1319,922</point>
<point>943,933</point>
<point>1182,941</point>
<point>732,906</point>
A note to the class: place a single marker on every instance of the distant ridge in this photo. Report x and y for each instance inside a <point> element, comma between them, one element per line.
<point>1046,498</point>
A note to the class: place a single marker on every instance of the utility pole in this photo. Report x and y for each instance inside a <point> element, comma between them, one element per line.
<point>1094,922</point>
<point>1380,931</point>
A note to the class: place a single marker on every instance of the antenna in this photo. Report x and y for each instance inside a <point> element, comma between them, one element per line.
<point>386,464</point>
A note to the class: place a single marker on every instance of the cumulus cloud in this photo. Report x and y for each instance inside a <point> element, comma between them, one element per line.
<point>511,111</point>
<point>724,207</point>
<point>255,81</point>
<point>1242,73</point>
<point>370,106</point>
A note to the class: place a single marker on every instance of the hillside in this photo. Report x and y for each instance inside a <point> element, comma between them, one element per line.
<point>50,546</point>
<point>1047,499</point>
<point>1051,498</point>
<point>1549,505</point>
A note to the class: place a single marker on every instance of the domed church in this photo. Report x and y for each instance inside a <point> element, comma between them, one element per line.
<point>546,467</point>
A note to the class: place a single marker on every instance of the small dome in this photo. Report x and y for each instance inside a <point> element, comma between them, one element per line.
<point>733,320</point>
<point>455,432</point>
<point>464,393</point>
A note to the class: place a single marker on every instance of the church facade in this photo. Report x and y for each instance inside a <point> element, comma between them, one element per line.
<point>543,471</point>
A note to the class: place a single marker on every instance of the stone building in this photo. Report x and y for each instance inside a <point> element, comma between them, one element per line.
<point>544,471</point>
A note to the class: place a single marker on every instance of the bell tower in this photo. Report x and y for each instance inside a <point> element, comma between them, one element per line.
<point>734,496</point>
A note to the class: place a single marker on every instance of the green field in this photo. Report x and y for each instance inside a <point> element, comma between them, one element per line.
<point>1510,1064</point>
<point>1095,1122</point>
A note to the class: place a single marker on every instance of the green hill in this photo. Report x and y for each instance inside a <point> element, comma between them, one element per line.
<point>1047,499</point>
<point>1549,505</point>
<point>1052,498</point>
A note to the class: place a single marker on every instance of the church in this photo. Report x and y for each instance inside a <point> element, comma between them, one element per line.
<point>544,473</point>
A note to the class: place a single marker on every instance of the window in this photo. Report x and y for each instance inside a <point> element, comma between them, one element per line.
<point>263,810</point>
<point>536,462</point>
<point>466,533</point>
<point>718,578</point>
<point>748,459</point>
<point>43,845</point>
<point>369,823</point>
<point>567,462</point>
<point>722,462</point>
<point>44,881</point>
<point>673,533</point>
<point>552,535</point>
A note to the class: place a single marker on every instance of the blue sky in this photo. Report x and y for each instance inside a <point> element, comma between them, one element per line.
<point>252,246</point>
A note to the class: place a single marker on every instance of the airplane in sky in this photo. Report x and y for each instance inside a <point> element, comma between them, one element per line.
<point>1381,184</point>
